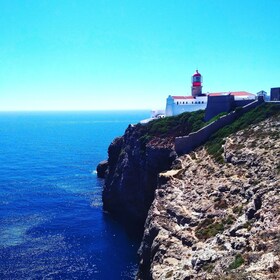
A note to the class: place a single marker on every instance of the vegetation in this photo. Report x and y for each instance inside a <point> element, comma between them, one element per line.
<point>171,127</point>
<point>217,117</point>
<point>237,209</point>
<point>216,141</point>
<point>229,220</point>
<point>248,225</point>
<point>209,228</point>
<point>237,262</point>
<point>208,267</point>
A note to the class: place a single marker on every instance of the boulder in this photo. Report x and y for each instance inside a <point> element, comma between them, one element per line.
<point>102,169</point>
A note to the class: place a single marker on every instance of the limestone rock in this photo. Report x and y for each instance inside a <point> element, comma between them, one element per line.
<point>102,169</point>
<point>132,174</point>
<point>218,221</point>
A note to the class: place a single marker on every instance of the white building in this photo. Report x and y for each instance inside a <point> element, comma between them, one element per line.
<point>176,105</point>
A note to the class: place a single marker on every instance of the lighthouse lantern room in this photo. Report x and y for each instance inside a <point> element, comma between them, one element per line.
<point>196,84</point>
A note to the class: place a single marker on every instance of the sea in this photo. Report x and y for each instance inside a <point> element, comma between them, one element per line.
<point>52,225</point>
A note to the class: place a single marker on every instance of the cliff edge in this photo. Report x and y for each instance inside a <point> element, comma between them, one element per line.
<point>132,175</point>
<point>211,214</point>
<point>136,159</point>
<point>218,219</point>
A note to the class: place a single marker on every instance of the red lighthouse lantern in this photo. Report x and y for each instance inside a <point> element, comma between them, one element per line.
<point>196,79</point>
<point>196,84</point>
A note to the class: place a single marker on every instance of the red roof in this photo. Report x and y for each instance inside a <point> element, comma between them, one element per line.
<point>196,73</point>
<point>183,97</point>
<point>234,93</point>
<point>242,93</point>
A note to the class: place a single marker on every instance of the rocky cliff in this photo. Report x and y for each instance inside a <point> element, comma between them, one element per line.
<point>136,159</point>
<point>133,166</point>
<point>216,219</point>
<point>214,213</point>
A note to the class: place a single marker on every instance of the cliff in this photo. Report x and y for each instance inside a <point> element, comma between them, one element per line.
<point>218,219</point>
<point>132,175</point>
<point>211,214</point>
<point>136,159</point>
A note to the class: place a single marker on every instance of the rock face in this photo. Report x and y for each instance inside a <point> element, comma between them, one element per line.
<point>132,173</point>
<point>211,220</point>
<point>102,169</point>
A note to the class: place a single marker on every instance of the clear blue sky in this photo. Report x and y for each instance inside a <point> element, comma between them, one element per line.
<point>131,54</point>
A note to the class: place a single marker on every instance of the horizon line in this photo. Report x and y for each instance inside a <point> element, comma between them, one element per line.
<point>70,110</point>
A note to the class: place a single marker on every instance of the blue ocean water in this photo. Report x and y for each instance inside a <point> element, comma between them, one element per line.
<point>51,221</point>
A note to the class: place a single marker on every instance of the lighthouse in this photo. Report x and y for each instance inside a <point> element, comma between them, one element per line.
<point>196,84</point>
<point>214,103</point>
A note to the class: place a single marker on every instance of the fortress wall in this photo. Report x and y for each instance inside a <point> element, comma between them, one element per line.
<point>186,144</point>
<point>217,105</point>
<point>275,94</point>
<point>241,103</point>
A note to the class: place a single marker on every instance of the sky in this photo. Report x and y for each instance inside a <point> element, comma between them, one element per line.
<point>132,54</point>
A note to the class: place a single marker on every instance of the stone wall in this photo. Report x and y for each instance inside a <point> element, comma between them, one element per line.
<point>218,104</point>
<point>242,103</point>
<point>275,94</point>
<point>186,144</point>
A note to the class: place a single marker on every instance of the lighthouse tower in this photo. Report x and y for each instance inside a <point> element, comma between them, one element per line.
<point>196,84</point>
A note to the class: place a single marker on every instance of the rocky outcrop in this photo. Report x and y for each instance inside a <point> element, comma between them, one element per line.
<point>214,220</point>
<point>102,169</point>
<point>133,167</point>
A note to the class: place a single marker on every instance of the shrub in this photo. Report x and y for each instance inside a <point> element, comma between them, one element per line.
<point>208,267</point>
<point>260,113</point>
<point>229,220</point>
<point>217,117</point>
<point>237,209</point>
<point>238,109</point>
<point>179,125</point>
<point>144,140</point>
<point>237,262</point>
<point>208,228</point>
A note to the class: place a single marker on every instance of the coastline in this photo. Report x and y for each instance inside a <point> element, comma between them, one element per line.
<point>125,181</point>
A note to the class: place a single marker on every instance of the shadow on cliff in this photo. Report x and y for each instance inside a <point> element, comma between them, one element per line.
<point>133,230</point>
<point>131,175</point>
